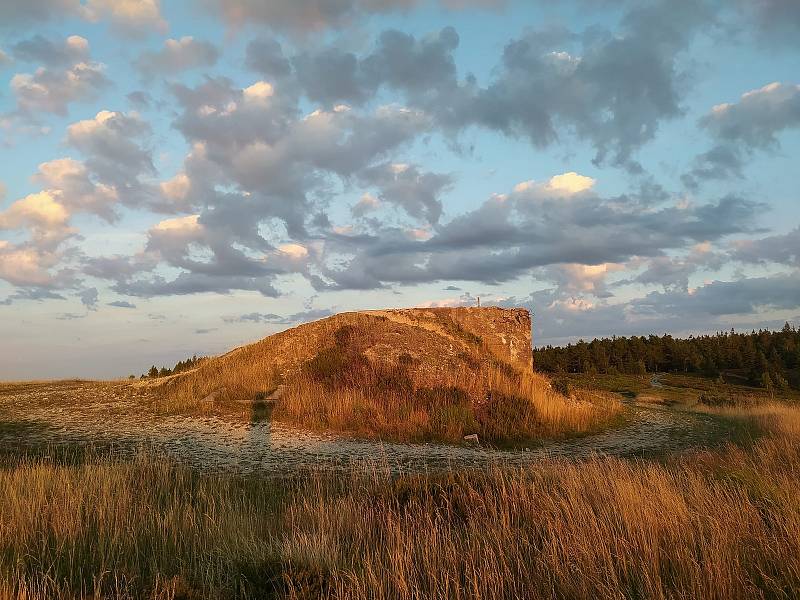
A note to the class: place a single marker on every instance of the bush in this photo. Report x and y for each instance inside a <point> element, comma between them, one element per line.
<point>562,385</point>
<point>337,366</point>
<point>715,398</point>
<point>507,418</point>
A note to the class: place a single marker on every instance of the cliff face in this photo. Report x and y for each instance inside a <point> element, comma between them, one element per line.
<point>506,333</point>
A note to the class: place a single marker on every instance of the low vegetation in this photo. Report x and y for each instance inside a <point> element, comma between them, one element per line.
<point>344,392</point>
<point>722,524</point>
<point>676,388</point>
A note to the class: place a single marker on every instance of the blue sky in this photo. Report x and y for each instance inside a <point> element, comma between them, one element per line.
<point>183,177</point>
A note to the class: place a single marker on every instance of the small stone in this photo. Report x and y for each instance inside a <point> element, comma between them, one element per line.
<point>473,438</point>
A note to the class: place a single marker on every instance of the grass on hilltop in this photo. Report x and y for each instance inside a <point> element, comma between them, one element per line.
<point>722,524</point>
<point>338,388</point>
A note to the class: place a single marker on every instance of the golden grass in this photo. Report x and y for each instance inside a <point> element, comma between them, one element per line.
<point>336,380</point>
<point>776,417</point>
<point>498,403</point>
<point>722,524</point>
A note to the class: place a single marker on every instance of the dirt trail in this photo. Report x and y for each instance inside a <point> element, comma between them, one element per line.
<point>67,413</point>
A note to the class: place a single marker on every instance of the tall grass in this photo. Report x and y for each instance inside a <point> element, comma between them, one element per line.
<point>497,402</point>
<point>722,524</point>
<point>336,379</point>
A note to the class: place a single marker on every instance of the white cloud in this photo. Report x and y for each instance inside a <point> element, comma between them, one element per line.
<point>70,181</point>
<point>562,186</point>
<point>40,210</point>
<point>260,91</point>
<point>178,55</point>
<point>294,251</point>
<point>188,224</point>
<point>48,90</point>
<point>129,16</point>
<point>570,183</point>
<point>177,189</point>
<point>24,266</point>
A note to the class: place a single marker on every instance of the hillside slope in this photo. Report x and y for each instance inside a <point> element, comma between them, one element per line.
<point>436,344</point>
<point>438,373</point>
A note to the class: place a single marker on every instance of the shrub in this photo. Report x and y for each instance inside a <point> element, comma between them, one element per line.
<point>562,386</point>
<point>337,366</point>
<point>507,418</point>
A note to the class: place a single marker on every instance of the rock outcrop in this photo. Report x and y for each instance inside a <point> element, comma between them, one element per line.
<point>430,345</point>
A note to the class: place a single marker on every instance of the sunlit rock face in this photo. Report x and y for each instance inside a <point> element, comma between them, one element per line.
<point>431,347</point>
<point>505,332</point>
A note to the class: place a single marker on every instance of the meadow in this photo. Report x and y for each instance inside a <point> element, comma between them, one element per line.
<point>721,524</point>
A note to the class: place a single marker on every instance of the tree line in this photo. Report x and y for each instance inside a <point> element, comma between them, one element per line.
<point>759,358</point>
<point>180,366</point>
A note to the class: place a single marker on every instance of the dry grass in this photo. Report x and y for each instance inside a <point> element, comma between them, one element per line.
<point>364,374</point>
<point>773,417</point>
<point>498,403</point>
<point>708,525</point>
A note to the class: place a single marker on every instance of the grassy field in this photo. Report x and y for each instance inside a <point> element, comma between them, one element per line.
<point>722,524</point>
<point>672,388</point>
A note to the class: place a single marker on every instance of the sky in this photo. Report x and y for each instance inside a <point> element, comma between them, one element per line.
<point>181,177</point>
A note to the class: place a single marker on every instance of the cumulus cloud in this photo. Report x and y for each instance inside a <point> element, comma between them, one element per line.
<point>572,279</point>
<point>758,117</point>
<point>177,56</point>
<point>41,212</point>
<point>254,139</point>
<point>781,248</point>
<point>277,164</point>
<point>535,225</point>
<point>132,17</point>
<point>673,273</point>
<point>112,144</point>
<point>39,49</point>
<point>610,88</point>
<point>742,297</point>
<point>27,266</point>
<point>317,15</point>
<point>53,90</point>
<point>69,180</point>
<point>405,186</point>
<point>741,128</point>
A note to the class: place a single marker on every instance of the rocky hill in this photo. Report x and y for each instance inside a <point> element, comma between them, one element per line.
<point>412,374</point>
<point>434,346</point>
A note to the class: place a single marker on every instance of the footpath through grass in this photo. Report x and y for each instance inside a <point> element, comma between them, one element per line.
<point>722,524</point>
